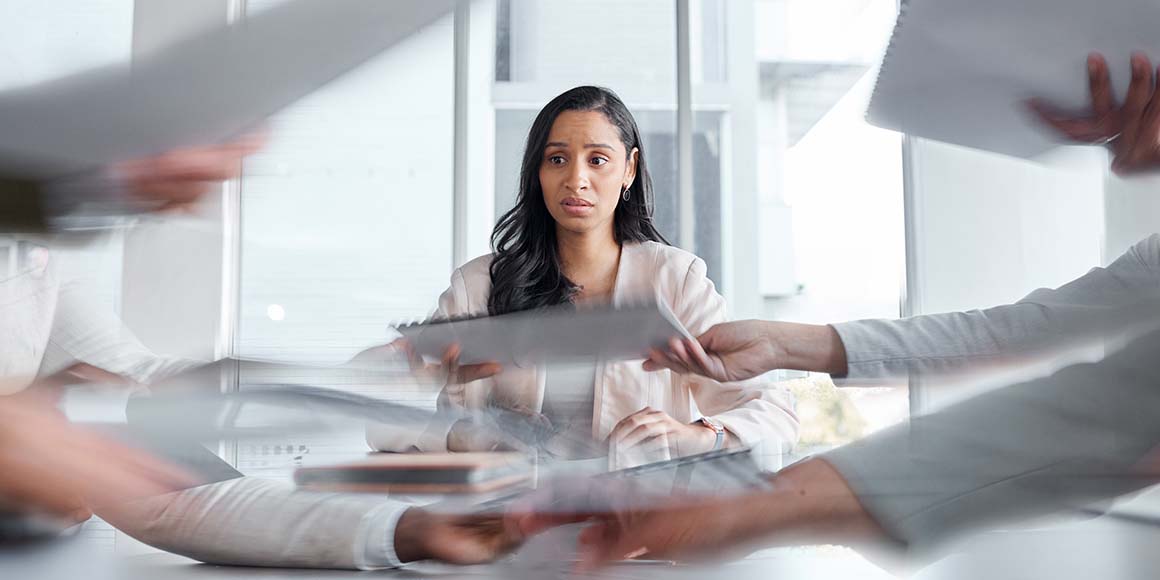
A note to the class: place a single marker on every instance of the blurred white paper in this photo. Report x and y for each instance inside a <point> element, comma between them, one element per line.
<point>562,334</point>
<point>202,90</point>
<point>961,71</point>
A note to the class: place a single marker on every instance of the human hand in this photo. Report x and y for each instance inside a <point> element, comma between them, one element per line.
<point>455,539</point>
<point>449,368</point>
<point>731,351</point>
<point>467,435</point>
<point>806,503</point>
<point>175,180</point>
<point>649,429</point>
<point>1130,130</point>
<point>49,465</point>
<point>628,520</point>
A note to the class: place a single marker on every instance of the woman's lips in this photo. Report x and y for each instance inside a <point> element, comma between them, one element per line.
<point>577,207</point>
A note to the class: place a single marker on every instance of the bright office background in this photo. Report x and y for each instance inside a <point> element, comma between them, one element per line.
<point>803,211</point>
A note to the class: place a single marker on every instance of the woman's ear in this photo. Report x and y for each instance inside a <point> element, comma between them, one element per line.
<point>630,171</point>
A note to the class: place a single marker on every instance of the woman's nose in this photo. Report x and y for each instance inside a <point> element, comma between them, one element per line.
<point>578,178</point>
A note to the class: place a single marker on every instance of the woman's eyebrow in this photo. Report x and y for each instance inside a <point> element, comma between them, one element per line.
<point>586,146</point>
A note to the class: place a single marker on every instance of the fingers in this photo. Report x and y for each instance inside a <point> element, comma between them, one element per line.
<point>183,176</point>
<point>644,425</point>
<point>1083,130</point>
<point>414,360</point>
<point>531,524</point>
<point>650,430</point>
<point>1139,94</point>
<point>687,356</point>
<point>1146,149</point>
<point>1100,87</point>
<point>470,373</point>
<point>460,374</point>
<point>659,360</point>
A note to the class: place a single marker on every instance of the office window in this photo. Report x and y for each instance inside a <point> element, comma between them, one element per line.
<point>829,190</point>
<point>346,226</point>
<point>546,48</point>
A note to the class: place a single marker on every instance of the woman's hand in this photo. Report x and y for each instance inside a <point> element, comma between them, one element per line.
<point>448,368</point>
<point>462,374</point>
<point>469,435</point>
<point>1131,130</point>
<point>649,429</point>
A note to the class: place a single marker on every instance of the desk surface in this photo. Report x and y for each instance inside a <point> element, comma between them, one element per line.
<point>811,563</point>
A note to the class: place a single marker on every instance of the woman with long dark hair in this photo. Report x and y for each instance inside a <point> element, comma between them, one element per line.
<point>581,232</point>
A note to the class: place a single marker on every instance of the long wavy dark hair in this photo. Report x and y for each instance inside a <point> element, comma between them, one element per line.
<point>526,272</point>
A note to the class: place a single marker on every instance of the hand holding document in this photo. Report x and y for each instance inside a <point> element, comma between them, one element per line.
<point>1130,129</point>
<point>964,72</point>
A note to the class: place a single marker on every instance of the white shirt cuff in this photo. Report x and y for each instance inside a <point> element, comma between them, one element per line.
<point>378,547</point>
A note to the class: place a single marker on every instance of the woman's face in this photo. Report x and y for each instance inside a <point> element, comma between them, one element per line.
<point>583,172</point>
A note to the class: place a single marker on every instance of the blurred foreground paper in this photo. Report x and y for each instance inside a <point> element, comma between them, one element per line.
<point>560,334</point>
<point>961,71</point>
<point>202,90</point>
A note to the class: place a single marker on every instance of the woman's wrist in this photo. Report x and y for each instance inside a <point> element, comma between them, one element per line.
<point>705,437</point>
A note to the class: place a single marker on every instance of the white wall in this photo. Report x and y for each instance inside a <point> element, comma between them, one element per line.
<point>1132,208</point>
<point>172,287</point>
<point>990,229</point>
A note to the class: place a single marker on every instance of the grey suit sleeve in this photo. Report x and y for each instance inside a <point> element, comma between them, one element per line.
<point>1036,448</point>
<point>1101,300</point>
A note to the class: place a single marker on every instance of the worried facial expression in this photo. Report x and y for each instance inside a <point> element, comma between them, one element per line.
<point>584,171</point>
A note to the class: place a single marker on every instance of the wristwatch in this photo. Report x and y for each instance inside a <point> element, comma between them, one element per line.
<point>717,428</point>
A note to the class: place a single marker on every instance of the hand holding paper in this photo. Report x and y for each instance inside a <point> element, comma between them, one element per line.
<point>1130,129</point>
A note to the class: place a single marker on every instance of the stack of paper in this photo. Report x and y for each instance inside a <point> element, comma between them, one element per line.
<point>961,71</point>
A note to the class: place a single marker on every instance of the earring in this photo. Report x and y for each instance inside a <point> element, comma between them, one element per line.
<point>626,193</point>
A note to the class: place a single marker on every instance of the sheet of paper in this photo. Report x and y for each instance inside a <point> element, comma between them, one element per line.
<point>201,90</point>
<point>562,334</point>
<point>961,71</point>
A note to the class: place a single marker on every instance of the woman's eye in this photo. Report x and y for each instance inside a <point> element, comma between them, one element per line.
<point>556,160</point>
<point>598,161</point>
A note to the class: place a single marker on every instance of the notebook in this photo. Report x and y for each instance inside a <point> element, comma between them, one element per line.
<point>420,473</point>
<point>961,71</point>
<point>560,334</point>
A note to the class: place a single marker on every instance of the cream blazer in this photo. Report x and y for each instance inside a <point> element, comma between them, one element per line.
<point>754,411</point>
